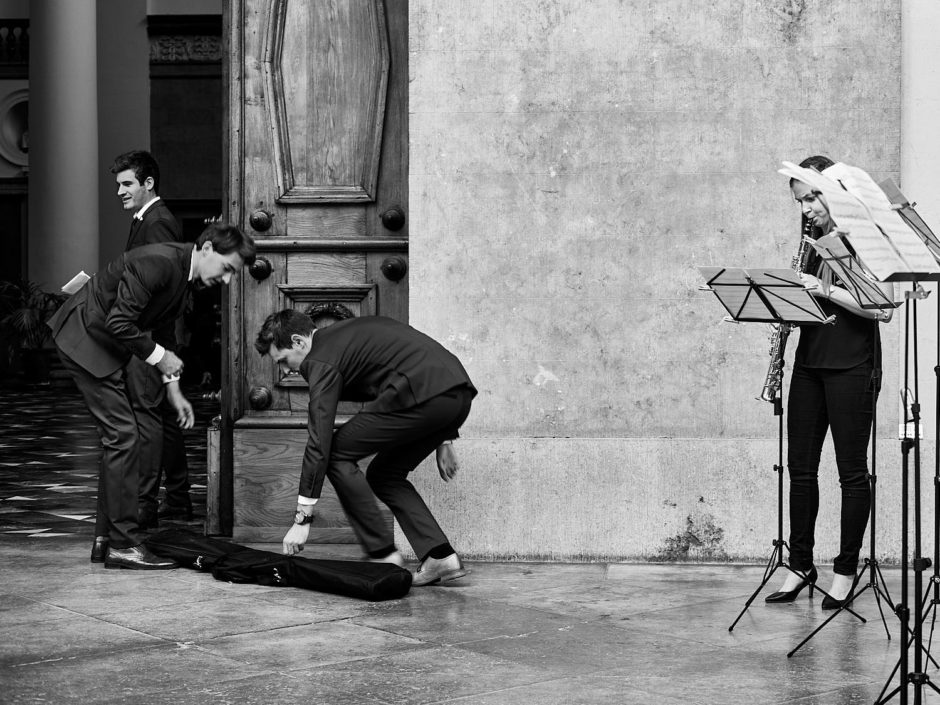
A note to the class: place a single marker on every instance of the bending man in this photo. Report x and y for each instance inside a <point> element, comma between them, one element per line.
<point>416,394</point>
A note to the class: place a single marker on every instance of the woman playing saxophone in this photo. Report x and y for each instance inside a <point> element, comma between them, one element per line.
<point>833,387</point>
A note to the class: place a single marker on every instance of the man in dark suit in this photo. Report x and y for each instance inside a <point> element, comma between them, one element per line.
<point>416,394</point>
<point>161,439</point>
<point>105,324</point>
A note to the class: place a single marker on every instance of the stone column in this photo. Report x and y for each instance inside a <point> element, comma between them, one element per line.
<point>63,155</point>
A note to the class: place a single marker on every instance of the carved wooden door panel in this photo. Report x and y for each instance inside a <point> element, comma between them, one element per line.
<point>317,173</point>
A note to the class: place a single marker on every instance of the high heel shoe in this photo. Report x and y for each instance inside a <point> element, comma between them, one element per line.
<point>790,595</point>
<point>832,603</point>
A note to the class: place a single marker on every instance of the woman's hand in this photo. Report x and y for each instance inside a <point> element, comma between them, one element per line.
<point>816,286</point>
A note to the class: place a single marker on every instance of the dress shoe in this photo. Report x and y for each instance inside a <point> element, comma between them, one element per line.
<point>833,603</point>
<point>99,549</point>
<point>434,571</point>
<point>790,595</point>
<point>171,512</point>
<point>137,557</point>
<point>394,558</point>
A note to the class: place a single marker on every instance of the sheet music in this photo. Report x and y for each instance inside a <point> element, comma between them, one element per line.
<point>851,272</point>
<point>911,248</point>
<point>784,291</point>
<point>910,216</point>
<point>887,260</point>
<point>75,283</point>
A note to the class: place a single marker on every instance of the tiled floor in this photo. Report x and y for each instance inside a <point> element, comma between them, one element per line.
<point>511,633</point>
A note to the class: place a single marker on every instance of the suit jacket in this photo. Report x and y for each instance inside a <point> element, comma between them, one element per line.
<point>380,361</point>
<point>157,225</point>
<point>112,316</point>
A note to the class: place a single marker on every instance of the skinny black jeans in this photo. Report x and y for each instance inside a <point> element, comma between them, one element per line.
<point>839,401</point>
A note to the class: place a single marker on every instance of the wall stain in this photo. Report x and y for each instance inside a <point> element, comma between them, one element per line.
<point>791,12</point>
<point>701,541</point>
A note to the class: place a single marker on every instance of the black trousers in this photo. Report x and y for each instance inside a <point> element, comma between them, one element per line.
<point>400,441</point>
<point>110,406</point>
<point>162,453</point>
<point>839,401</point>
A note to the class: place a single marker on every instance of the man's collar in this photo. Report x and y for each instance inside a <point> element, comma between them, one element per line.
<point>192,262</point>
<point>139,215</point>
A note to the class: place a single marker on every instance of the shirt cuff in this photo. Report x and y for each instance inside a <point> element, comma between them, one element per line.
<point>156,355</point>
<point>306,501</point>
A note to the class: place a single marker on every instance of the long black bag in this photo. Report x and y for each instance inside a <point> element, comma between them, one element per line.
<point>240,564</point>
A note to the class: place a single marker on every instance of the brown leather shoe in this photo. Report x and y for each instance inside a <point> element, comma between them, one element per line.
<point>137,557</point>
<point>434,571</point>
<point>99,549</point>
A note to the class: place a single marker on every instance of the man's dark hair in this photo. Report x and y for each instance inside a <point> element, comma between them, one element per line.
<point>279,327</point>
<point>228,238</point>
<point>143,164</point>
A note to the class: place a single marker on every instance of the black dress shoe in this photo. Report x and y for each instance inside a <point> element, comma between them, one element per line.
<point>137,558</point>
<point>172,512</point>
<point>790,595</point>
<point>99,549</point>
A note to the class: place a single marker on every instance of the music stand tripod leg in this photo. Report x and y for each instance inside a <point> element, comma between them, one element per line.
<point>776,557</point>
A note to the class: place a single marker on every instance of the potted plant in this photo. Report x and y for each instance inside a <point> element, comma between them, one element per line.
<point>24,335</point>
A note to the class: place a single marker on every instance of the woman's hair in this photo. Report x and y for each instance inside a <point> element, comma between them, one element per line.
<point>817,162</point>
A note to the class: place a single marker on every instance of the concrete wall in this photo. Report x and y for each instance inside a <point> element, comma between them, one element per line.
<point>572,163</point>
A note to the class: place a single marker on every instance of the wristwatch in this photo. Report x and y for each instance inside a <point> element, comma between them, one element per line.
<point>301,518</point>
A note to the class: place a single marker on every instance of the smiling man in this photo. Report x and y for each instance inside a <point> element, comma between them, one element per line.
<point>98,332</point>
<point>162,452</point>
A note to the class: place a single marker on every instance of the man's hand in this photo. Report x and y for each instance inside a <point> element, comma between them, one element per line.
<point>170,365</point>
<point>184,410</point>
<point>295,539</point>
<point>446,461</point>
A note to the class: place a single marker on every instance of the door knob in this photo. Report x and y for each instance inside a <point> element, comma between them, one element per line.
<point>393,219</point>
<point>259,398</point>
<point>394,268</point>
<point>260,221</point>
<point>260,269</point>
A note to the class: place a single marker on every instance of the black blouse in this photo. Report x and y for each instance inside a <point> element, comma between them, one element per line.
<point>847,342</point>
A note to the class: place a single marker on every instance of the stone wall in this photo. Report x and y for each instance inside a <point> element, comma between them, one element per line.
<point>572,163</point>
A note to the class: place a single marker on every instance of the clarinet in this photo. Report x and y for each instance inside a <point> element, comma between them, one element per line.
<point>778,340</point>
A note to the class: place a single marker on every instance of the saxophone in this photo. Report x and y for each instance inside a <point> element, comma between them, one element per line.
<point>778,340</point>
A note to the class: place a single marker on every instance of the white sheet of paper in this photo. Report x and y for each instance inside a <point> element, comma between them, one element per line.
<point>75,283</point>
<point>884,257</point>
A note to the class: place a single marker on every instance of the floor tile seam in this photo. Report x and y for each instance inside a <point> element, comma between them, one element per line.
<point>92,654</point>
<point>270,630</point>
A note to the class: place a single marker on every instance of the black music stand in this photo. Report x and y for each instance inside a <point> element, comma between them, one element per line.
<point>921,611</point>
<point>766,296</point>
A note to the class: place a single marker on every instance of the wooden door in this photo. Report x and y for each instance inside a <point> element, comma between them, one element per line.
<point>317,173</point>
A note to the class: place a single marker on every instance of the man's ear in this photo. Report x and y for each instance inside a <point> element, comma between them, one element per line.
<point>149,183</point>
<point>207,247</point>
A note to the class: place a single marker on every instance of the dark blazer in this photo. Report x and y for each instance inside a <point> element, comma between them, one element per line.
<point>157,225</point>
<point>112,316</point>
<point>380,361</point>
